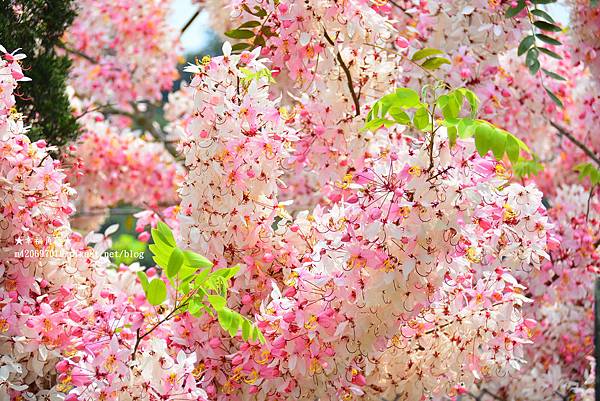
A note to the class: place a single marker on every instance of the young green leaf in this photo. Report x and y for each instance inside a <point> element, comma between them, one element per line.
<point>498,143</point>
<point>246,329</point>
<point>157,292</point>
<point>421,118</point>
<point>225,316</point>
<point>426,52</point>
<point>143,280</point>
<point>193,259</point>
<point>512,149</point>
<point>175,262</point>
<point>217,302</point>
<point>166,232</point>
<point>483,138</point>
<point>407,98</point>
<point>434,63</point>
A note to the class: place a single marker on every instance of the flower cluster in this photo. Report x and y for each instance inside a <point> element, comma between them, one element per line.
<point>123,50</point>
<point>111,165</point>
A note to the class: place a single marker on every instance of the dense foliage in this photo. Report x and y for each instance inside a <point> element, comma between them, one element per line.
<point>36,26</point>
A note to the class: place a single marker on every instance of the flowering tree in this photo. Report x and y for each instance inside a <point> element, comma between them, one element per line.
<point>355,200</point>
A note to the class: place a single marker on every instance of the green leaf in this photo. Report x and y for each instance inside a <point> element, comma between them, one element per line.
<point>472,99</point>
<point>157,292</point>
<point>239,34</point>
<point>550,53</point>
<point>525,44</point>
<point>546,26</point>
<point>512,149</point>
<point>542,14</point>
<point>531,60</point>
<point>524,168</point>
<point>421,118</point>
<point>547,39</point>
<point>375,124</point>
<point>234,325</point>
<point>240,46</point>
<point>594,3</point>
<point>554,75</point>
<point>143,280</point>
<point>588,170</point>
<point>227,273</point>
<point>217,302</point>
<point>195,260</point>
<point>166,233</point>
<point>407,98</point>
<point>250,24</point>
<point>260,41</point>
<point>466,128</point>
<point>554,98</point>
<point>513,11</point>
<point>399,115</point>
<point>225,317</point>
<point>194,306</point>
<point>498,143</point>
<point>434,63</point>
<point>483,138</point>
<point>246,328</point>
<point>426,52</point>
<point>452,135</point>
<point>175,262</point>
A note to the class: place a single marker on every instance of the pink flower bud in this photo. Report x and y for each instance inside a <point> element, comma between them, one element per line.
<point>359,380</point>
<point>144,236</point>
<point>62,366</point>
<point>289,292</point>
<point>375,213</point>
<point>402,42</point>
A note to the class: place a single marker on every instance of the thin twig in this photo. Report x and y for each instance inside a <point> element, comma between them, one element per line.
<point>190,22</point>
<point>347,72</point>
<point>146,124</point>
<point>63,46</point>
<point>561,130</point>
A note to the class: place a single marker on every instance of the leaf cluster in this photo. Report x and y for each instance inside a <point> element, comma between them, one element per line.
<point>198,288</point>
<point>247,33</point>
<point>533,45</point>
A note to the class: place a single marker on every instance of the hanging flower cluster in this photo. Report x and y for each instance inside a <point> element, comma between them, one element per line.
<point>111,165</point>
<point>584,29</point>
<point>124,50</point>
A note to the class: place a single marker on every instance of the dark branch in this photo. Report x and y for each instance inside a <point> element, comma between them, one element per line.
<point>190,22</point>
<point>576,142</point>
<point>347,72</point>
<point>77,53</point>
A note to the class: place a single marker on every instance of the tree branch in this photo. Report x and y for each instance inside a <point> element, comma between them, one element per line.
<point>146,124</point>
<point>63,46</point>
<point>562,131</point>
<point>347,72</point>
<point>190,21</point>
